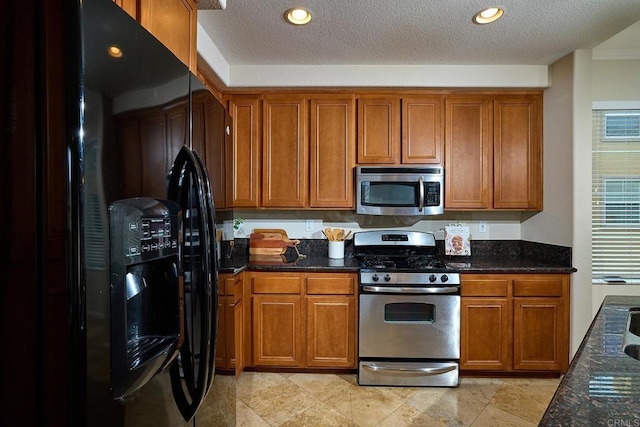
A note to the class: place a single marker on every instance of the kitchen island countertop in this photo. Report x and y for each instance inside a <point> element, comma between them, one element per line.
<point>602,385</point>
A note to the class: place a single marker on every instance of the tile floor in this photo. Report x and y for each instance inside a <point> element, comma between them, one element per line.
<point>292,400</point>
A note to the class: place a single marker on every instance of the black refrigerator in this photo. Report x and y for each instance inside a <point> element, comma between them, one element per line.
<point>143,274</point>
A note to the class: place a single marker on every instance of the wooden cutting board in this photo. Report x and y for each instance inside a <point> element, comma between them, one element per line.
<point>270,241</point>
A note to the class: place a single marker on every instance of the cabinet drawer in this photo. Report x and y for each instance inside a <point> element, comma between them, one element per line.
<point>276,285</point>
<point>484,288</point>
<point>538,287</point>
<point>330,285</point>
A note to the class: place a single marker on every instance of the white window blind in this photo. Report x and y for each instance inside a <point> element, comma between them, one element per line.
<point>616,193</point>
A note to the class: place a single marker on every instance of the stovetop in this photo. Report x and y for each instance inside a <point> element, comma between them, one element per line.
<point>396,257</point>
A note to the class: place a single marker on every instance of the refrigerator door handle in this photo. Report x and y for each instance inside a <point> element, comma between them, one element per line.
<point>187,164</point>
<point>213,276</point>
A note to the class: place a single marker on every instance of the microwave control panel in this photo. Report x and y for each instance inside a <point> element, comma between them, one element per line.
<point>431,193</point>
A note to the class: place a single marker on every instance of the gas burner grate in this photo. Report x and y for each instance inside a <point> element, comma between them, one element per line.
<point>378,262</point>
<point>424,263</point>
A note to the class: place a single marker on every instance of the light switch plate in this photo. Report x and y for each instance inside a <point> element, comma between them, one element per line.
<point>308,225</point>
<point>482,227</point>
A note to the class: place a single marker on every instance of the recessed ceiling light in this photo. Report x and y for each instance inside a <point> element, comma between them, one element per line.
<point>298,16</point>
<point>114,51</point>
<point>488,15</point>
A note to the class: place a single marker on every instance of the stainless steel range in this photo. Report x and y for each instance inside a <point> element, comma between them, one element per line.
<point>409,311</point>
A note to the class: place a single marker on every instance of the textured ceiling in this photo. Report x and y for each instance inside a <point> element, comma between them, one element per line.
<point>389,32</point>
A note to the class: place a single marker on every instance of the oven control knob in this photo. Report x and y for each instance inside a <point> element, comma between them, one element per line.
<point>432,278</point>
<point>444,278</point>
<point>387,277</point>
<point>375,278</point>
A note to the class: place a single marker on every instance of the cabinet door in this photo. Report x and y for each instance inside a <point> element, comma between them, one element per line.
<point>331,331</point>
<point>198,125</point>
<point>238,315</point>
<point>540,334</point>
<point>245,151</point>
<point>422,128</point>
<point>332,153</point>
<point>214,114</point>
<point>484,337</point>
<point>221,342</point>
<point>129,140</point>
<point>129,6</point>
<point>277,330</point>
<point>229,332</point>
<point>378,130</point>
<point>468,148</point>
<point>284,153</point>
<point>517,146</point>
<point>174,23</point>
<point>154,155</point>
<point>177,132</point>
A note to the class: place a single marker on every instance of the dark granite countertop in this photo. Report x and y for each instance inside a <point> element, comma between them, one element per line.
<point>602,385</point>
<point>323,263</point>
<point>497,257</point>
<point>506,265</point>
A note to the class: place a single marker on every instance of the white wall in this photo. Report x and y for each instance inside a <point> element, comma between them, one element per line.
<point>616,80</point>
<point>553,224</point>
<point>581,297</point>
<point>499,225</point>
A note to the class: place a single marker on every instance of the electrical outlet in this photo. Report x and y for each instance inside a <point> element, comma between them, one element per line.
<point>308,225</point>
<point>482,227</point>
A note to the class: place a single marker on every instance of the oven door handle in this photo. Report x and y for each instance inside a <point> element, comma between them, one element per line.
<point>412,290</point>
<point>425,371</point>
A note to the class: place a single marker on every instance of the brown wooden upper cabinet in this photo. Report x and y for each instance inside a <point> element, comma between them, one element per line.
<point>245,152</point>
<point>173,22</point>
<point>285,147</point>
<point>422,130</point>
<point>307,147</point>
<point>378,130</point>
<point>493,147</point>
<point>404,130</point>
<point>332,152</point>
<point>517,153</point>
<point>468,151</point>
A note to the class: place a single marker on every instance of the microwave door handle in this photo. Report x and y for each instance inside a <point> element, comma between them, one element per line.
<point>421,194</point>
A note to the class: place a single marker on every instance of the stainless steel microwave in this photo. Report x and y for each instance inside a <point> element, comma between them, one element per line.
<point>400,190</point>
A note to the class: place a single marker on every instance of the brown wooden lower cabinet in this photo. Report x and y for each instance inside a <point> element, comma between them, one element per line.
<point>303,320</point>
<point>277,330</point>
<point>516,322</point>
<point>331,331</point>
<point>485,335</point>
<point>230,341</point>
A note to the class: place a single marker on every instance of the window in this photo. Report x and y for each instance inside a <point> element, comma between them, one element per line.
<point>621,201</point>
<point>621,125</point>
<point>616,193</point>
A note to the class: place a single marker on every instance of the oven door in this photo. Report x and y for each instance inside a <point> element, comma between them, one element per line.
<point>409,326</point>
